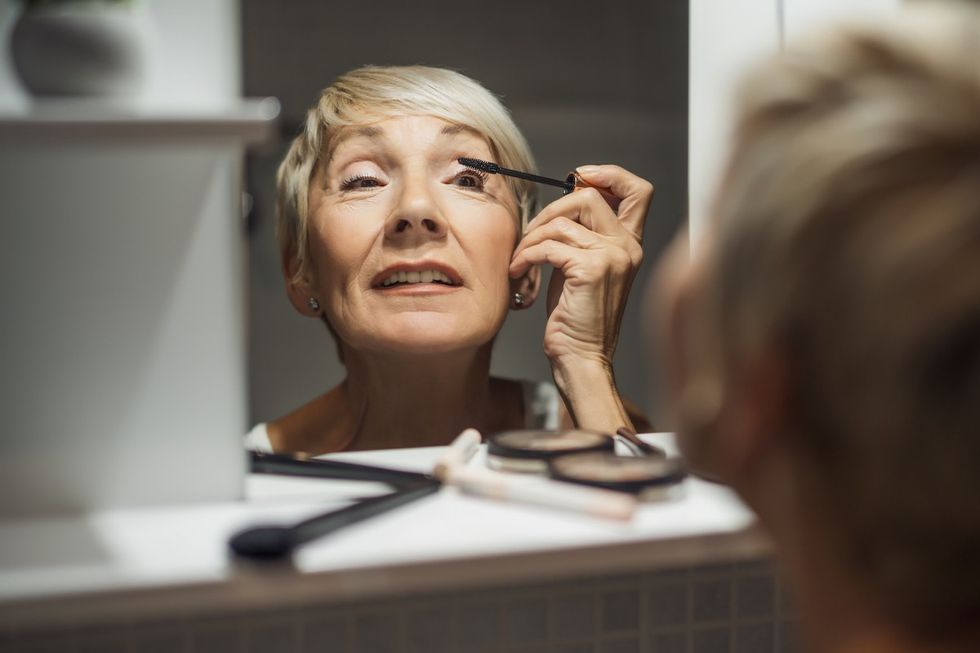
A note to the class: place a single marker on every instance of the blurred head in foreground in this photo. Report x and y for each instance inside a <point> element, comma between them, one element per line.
<point>824,342</point>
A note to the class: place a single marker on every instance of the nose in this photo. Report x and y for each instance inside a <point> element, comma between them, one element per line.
<point>417,216</point>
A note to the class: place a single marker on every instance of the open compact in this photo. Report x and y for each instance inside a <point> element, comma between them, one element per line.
<point>650,478</point>
<point>530,451</point>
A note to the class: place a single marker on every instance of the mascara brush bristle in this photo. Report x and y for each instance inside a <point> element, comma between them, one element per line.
<point>485,166</point>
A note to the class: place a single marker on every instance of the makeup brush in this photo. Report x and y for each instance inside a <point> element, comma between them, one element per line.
<point>567,186</point>
<point>273,542</point>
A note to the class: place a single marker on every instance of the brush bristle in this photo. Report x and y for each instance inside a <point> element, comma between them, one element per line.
<point>485,166</point>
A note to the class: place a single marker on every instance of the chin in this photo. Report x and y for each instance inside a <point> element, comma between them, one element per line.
<point>428,334</point>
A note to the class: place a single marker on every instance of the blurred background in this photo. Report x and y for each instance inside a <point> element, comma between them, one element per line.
<point>586,83</point>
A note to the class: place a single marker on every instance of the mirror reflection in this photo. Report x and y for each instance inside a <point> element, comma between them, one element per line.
<point>399,296</point>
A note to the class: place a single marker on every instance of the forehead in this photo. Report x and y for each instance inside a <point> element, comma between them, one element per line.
<point>407,131</point>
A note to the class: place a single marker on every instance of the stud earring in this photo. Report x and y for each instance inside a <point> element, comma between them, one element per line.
<point>518,299</point>
<point>313,304</point>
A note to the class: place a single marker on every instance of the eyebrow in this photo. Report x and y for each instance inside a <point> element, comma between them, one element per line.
<point>375,132</point>
<point>347,134</point>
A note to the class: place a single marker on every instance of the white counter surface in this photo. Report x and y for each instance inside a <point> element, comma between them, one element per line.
<point>175,559</point>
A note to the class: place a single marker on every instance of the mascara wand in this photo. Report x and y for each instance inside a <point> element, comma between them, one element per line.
<point>567,186</point>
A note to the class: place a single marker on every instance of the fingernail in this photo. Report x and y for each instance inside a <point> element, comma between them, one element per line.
<point>587,170</point>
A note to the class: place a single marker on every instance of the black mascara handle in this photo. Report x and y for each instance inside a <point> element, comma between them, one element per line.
<point>273,542</point>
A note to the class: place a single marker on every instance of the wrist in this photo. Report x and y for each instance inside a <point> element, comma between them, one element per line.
<point>588,388</point>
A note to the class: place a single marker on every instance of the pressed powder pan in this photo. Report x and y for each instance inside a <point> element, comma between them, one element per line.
<point>649,478</point>
<point>529,451</point>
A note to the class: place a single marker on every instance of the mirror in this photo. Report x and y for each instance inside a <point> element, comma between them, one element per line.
<point>584,85</point>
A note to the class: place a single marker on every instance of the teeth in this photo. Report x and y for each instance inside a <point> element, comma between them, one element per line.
<point>415,276</point>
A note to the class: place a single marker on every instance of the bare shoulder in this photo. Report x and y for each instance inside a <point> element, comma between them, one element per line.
<point>314,428</point>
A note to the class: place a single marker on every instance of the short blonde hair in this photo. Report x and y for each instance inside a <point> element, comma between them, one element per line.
<point>847,231</point>
<point>374,93</point>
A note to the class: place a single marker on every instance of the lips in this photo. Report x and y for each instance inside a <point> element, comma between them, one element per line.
<point>416,273</point>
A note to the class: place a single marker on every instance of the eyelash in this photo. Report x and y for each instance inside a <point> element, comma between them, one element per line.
<point>479,174</point>
<point>350,183</point>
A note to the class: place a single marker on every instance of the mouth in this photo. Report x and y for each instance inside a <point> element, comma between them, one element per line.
<point>417,275</point>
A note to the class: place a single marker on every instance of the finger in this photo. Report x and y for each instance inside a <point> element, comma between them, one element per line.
<point>554,253</point>
<point>563,230</point>
<point>634,192</point>
<point>587,207</point>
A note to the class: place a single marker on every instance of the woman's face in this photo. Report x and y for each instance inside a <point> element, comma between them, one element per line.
<point>409,250</point>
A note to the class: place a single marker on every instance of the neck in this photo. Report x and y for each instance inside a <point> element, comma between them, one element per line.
<point>424,400</point>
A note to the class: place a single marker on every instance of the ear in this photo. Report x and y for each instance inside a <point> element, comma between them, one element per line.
<point>755,417</point>
<point>529,285</point>
<point>299,290</point>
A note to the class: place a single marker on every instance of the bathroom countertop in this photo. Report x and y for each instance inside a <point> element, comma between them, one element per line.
<point>140,562</point>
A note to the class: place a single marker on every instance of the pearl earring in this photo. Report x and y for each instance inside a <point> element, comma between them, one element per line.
<point>313,304</point>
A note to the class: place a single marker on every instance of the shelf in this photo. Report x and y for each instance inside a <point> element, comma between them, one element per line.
<point>138,562</point>
<point>60,122</point>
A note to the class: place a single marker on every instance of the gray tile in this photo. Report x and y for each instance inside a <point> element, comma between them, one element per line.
<point>711,640</point>
<point>38,643</point>
<point>755,596</point>
<point>323,632</point>
<point>573,616</point>
<point>785,593</point>
<point>526,621</point>
<point>717,569</point>
<point>583,647</point>
<point>670,575</point>
<point>620,610</point>
<point>216,638</point>
<point>159,641</point>
<point>102,644</point>
<point>755,638</point>
<point>788,637</point>
<point>756,567</point>
<point>377,632</point>
<point>670,642</point>
<point>629,645</point>
<point>272,637</point>
<point>427,631</point>
<point>712,600</point>
<point>477,626</point>
<point>668,605</point>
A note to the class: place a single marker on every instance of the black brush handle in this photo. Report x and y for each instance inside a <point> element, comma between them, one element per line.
<point>273,542</point>
<point>271,463</point>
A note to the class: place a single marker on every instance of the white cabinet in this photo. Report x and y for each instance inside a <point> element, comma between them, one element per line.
<point>123,290</point>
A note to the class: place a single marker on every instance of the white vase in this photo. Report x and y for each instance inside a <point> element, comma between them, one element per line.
<point>93,49</point>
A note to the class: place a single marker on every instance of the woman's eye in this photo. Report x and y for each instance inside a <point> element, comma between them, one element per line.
<point>359,182</point>
<point>470,179</point>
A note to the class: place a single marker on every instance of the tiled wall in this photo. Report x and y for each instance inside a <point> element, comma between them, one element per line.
<point>737,608</point>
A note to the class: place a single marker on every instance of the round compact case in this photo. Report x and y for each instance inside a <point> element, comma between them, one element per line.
<point>650,478</point>
<point>530,451</point>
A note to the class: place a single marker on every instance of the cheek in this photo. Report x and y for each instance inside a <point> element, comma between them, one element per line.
<point>338,250</point>
<point>490,246</point>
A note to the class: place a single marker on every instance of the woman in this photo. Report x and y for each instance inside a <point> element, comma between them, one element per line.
<point>825,344</point>
<point>413,262</point>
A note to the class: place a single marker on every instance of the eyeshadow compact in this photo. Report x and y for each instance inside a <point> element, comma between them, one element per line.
<point>650,478</point>
<point>530,451</point>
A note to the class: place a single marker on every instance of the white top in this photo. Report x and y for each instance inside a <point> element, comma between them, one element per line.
<point>541,404</point>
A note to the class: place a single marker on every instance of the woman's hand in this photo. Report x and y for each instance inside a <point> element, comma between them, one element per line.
<point>593,240</point>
